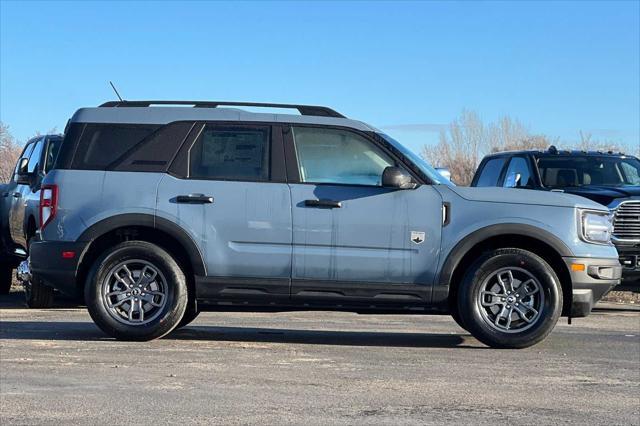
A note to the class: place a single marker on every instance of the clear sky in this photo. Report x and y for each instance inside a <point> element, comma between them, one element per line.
<point>407,68</point>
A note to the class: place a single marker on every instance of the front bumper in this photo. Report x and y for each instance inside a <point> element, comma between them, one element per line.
<point>51,261</point>
<point>591,279</point>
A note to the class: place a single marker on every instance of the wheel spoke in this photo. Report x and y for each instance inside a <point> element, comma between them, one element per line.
<point>523,310</point>
<point>523,291</point>
<point>150,298</point>
<point>119,302</point>
<point>505,280</point>
<point>145,280</point>
<point>496,299</point>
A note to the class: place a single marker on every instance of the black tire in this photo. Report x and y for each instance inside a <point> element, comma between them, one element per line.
<point>38,295</point>
<point>487,270</point>
<point>165,317</point>
<point>456,317</point>
<point>190,314</point>
<point>6,276</point>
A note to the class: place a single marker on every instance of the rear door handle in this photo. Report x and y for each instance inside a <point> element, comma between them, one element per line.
<point>194,199</point>
<point>323,204</point>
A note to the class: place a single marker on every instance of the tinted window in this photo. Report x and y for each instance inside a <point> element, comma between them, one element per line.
<point>338,156</point>
<point>53,147</point>
<point>490,173</point>
<point>566,171</point>
<point>156,152</point>
<point>231,153</point>
<point>34,159</point>
<point>102,144</point>
<point>518,174</point>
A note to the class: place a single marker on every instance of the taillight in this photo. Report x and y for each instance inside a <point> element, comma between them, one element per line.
<point>48,204</point>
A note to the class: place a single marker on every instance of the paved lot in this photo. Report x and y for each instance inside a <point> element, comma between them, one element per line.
<point>314,368</point>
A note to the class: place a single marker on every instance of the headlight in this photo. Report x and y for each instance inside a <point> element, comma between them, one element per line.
<point>595,227</point>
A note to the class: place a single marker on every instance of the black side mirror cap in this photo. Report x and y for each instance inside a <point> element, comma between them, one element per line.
<point>25,179</point>
<point>395,177</point>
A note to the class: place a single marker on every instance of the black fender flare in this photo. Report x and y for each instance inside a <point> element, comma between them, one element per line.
<point>149,221</point>
<point>466,244</point>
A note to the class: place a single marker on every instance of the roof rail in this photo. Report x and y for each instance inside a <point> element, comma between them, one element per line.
<point>303,109</point>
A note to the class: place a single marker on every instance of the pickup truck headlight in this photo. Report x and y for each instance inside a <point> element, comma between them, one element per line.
<point>595,226</point>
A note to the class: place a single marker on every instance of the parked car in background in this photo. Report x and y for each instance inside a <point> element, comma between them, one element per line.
<point>152,214</point>
<point>20,216</point>
<point>611,179</point>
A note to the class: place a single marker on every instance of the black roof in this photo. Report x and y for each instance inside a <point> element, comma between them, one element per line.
<point>553,151</point>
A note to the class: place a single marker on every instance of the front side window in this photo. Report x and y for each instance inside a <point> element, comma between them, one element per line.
<point>490,173</point>
<point>518,174</point>
<point>231,153</point>
<point>339,157</point>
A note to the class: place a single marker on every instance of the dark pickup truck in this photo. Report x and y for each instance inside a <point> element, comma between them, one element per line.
<point>611,179</point>
<point>20,216</point>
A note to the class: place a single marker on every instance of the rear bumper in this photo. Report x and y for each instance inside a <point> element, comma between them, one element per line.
<point>591,279</point>
<point>58,271</point>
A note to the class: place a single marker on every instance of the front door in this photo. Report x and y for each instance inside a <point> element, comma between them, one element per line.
<point>354,240</point>
<point>233,200</point>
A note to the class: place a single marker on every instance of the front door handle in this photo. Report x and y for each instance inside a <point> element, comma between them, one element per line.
<point>194,199</point>
<point>323,204</point>
<point>17,195</point>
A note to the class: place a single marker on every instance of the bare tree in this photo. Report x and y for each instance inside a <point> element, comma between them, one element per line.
<point>9,153</point>
<point>468,139</point>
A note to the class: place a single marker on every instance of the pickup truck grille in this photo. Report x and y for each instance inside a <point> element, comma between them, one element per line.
<point>626,221</point>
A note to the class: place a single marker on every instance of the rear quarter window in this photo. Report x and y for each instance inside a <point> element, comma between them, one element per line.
<point>100,145</point>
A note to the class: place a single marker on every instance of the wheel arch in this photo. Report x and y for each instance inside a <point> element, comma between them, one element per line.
<point>526,237</point>
<point>145,227</point>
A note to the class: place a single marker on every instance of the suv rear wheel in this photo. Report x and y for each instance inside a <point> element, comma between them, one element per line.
<point>136,291</point>
<point>510,298</point>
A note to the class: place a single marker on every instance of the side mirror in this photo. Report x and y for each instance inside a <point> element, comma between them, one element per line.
<point>22,166</point>
<point>445,172</point>
<point>24,177</point>
<point>395,177</point>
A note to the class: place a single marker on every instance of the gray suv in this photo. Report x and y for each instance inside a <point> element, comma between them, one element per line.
<point>157,210</point>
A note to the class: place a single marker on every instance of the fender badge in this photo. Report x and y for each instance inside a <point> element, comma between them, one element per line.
<point>417,237</point>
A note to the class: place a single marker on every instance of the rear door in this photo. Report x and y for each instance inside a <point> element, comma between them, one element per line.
<point>353,240</point>
<point>227,188</point>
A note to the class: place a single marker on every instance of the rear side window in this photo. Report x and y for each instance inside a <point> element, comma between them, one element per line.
<point>102,144</point>
<point>490,173</point>
<point>231,153</point>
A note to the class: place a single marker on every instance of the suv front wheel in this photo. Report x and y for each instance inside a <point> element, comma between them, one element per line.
<point>136,291</point>
<point>510,298</point>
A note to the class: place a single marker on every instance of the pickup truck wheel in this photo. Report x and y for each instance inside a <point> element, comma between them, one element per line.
<point>38,295</point>
<point>6,276</point>
<point>136,291</point>
<point>510,298</point>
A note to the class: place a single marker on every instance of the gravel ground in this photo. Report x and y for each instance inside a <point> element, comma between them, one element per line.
<point>314,368</point>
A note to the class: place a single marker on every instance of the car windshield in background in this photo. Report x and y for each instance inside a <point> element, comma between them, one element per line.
<point>418,161</point>
<point>573,171</point>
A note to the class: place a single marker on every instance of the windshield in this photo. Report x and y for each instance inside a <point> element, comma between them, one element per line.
<point>573,171</point>
<point>418,161</point>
